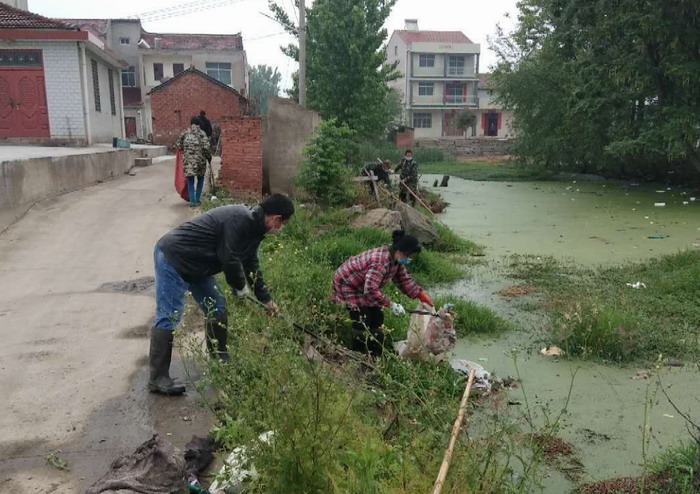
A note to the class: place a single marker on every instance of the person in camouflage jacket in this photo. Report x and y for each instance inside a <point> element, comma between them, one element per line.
<point>408,174</point>
<point>196,153</point>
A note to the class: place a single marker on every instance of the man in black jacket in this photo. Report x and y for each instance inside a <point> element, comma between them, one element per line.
<point>204,123</point>
<point>187,258</point>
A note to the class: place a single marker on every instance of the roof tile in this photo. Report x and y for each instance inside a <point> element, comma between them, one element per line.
<point>12,18</point>
<point>433,36</point>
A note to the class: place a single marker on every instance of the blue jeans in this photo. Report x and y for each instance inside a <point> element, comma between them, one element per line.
<point>195,193</point>
<point>170,294</point>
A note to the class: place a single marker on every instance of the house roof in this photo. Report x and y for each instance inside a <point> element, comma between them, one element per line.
<point>98,27</point>
<point>433,36</point>
<point>194,41</point>
<point>12,18</point>
<point>196,72</point>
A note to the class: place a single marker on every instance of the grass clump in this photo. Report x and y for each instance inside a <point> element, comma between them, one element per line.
<point>597,315</point>
<point>507,171</point>
<point>678,465</point>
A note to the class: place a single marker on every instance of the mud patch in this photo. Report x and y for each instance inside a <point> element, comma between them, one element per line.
<point>139,286</point>
<point>136,332</point>
<point>516,291</point>
<point>35,356</point>
<point>559,454</point>
<point>45,341</point>
<point>20,448</point>
<point>629,485</point>
<point>593,437</point>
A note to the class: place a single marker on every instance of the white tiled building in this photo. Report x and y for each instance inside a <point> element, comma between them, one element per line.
<point>440,79</point>
<point>58,85</point>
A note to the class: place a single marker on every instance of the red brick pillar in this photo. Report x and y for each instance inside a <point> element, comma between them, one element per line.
<point>241,156</point>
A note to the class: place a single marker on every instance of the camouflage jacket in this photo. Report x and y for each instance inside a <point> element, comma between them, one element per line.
<point>194,145</point>
<point>408,171</point>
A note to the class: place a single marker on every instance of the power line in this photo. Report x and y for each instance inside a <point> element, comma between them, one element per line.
<point>264,36</point>
<point>184,9</point>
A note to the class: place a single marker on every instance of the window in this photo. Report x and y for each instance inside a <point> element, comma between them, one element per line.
<point>112,101</point>
<point>96,85</point>
<point>425,88</point>
<point>396,50</point>
<point>123,41</point>
<point>219,71</point>
<point>455,93</point>
<point>422,120</point>
<point>158,71</point>
<point>178,68</point>
<point>129,77</point>
<point>455,66</point>
<point>426,60</point>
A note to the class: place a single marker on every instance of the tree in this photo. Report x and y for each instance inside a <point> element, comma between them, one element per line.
<point>331,157</point>
<point>346,71</point>
<point>606,85</point>
<point>466,121</point>
<point>264,82</point>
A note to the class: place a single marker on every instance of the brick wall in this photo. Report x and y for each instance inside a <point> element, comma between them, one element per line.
<point>405,139</point>
<point>241,156</point>
<point>174,105</point>
<point>471,146</point>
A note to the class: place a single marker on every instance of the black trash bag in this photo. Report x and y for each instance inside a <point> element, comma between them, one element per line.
<point>199,453</point>
<point>156,467</point>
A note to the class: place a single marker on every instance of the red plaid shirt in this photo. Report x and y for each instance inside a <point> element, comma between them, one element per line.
<point>359,280</point>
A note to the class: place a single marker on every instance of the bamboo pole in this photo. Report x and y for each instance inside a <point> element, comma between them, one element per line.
<point>437,487</point>
<point>422,203</point>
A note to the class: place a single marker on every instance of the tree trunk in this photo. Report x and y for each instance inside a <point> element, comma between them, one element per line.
<point>693,156</point>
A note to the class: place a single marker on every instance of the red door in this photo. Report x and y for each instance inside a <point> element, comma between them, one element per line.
<point>23,108</point>
<point>130,125</point>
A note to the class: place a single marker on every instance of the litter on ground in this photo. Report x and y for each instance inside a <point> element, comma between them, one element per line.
<point>552,351</point>
<point>636,285</point>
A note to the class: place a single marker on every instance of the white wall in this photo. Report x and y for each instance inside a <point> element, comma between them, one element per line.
<point>434,131</point>
<point>103,124</point>
<point>63,87</point>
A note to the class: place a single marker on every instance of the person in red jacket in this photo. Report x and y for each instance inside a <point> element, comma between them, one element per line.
<point>358,282</point>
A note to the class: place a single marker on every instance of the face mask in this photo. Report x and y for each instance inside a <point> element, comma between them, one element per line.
<point>276,231</point>
<point>404,261</point>
<point>409,159</point>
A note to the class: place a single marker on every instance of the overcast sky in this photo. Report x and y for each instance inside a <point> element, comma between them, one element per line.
<point>262,36</point>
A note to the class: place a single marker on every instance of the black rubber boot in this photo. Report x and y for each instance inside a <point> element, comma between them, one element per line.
<point>160,356</point>
<point>217,336</point>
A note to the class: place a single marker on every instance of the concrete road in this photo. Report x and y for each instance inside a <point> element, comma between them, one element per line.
<point>74,337</point>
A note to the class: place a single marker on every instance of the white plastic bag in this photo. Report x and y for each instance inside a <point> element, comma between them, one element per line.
<point>429,333</point>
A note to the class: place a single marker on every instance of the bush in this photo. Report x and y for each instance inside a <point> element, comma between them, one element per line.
<point>331,157</point>
<point>599,331</point>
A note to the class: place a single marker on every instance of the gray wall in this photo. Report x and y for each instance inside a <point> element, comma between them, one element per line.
<point>25,181</point>
<point>472,146</point>
<point>286,130</point>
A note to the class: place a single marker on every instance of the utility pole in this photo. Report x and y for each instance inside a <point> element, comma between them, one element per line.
<point>302,53</point>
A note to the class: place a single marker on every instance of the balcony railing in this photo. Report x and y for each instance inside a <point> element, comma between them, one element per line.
<point>446,100</point>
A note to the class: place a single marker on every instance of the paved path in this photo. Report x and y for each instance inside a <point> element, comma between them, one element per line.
<point>73,348</point>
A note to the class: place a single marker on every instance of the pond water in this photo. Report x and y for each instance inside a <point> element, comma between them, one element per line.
<point>588,223</point>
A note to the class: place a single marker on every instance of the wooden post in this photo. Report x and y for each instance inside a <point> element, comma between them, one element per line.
<point>422,203</point>
<point>442,475</point>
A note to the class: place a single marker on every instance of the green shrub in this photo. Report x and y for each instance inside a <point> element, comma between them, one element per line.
<point>591,330</point>
<point>679,464</point>
<point>331,157</point>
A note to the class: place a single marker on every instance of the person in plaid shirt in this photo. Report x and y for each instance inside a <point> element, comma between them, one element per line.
<point>358,282</point>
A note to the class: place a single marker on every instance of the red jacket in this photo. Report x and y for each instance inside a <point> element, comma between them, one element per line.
<point>359,280</point>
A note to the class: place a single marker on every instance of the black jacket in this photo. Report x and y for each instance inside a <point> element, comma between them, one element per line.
<point>379,172</point>
<point>222,239</point>
<point>205,125</point>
